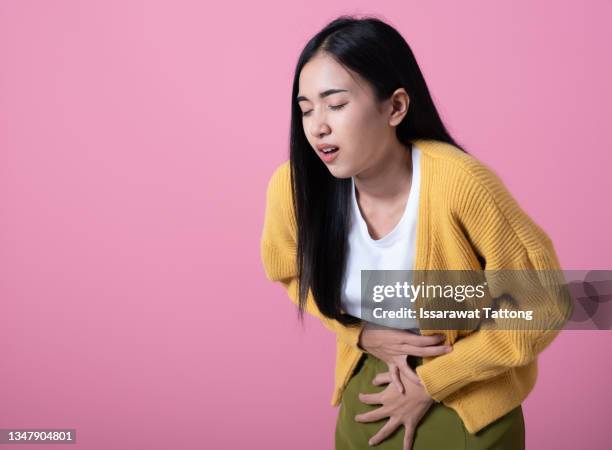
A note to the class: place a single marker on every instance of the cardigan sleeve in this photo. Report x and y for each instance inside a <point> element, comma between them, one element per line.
<point>504,237</point>
<point>278,251</point>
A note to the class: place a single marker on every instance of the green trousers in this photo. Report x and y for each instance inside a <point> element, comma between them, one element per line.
<point>439,429</point>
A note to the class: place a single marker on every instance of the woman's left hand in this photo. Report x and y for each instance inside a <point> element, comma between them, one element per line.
<point>406,408</point>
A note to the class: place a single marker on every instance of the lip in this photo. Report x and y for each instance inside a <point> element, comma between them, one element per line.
<point>321,147</point>
<point>327,157</point>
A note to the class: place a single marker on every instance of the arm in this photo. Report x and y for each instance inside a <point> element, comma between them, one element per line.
<point>506,238</point>
<point>278,251</point>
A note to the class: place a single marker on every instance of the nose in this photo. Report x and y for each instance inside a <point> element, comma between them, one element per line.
<point>319,126</point>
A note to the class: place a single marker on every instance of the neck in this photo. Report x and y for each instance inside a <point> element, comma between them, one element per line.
<point>389,178</point>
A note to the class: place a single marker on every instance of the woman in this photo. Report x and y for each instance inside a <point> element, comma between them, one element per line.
<point>375,181</point>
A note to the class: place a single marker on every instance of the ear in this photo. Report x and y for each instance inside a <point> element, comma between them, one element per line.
<point>399,106</point>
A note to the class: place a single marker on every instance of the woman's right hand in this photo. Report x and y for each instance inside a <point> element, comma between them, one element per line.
<point>392,346</point>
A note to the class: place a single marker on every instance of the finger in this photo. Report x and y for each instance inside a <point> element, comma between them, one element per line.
<point>382,378</point>
<point>372,416</point>
<point>424,341</point>
<point>395,379</point>
<point>408,436</point>
<point>400,349</point>
<point>433,350</point>
<point>370,399</point>
<point>384,432</point>
<point>409,373</point>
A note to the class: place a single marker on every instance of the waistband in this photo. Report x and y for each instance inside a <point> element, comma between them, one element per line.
<point>413,361</point>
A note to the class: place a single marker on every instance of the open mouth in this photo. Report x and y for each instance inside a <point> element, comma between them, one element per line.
<point>330,150</point>
<point>329,154</point>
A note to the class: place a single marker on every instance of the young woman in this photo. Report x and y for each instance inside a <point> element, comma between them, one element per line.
<point>375,181</point>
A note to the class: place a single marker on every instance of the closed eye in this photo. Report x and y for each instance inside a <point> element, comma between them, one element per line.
<point>334,107</point>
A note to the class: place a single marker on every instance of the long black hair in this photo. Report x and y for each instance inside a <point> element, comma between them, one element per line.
<point>378,53</point>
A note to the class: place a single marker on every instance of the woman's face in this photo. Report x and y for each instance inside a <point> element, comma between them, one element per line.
<point>339,108</point>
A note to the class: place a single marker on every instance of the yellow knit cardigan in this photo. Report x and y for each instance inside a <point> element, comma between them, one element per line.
<point>464,211</point>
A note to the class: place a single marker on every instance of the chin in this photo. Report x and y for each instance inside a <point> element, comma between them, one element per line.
<point>338,172</point>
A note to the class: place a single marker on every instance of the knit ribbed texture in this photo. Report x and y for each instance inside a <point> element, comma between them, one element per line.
<point>465,211</point>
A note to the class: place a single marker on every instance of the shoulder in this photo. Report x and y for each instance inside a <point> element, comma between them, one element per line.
<point>279,198</point>
<point>478,197</point>
<point>278,238</point>
<point>459,182</point>
<point>452,165</point>
<point>280,180</point>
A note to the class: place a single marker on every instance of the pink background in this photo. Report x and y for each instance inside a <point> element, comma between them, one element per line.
<point>136,140</point>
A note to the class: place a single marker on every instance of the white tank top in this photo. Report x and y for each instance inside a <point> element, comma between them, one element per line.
<point>395,251</point>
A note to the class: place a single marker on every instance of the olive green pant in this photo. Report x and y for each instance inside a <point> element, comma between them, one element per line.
<point>439,429</point>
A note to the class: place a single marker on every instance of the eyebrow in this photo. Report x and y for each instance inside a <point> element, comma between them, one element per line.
<point>323,94</point>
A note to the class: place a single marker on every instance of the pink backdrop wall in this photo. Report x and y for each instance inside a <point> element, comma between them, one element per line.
<point>136,141</point>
